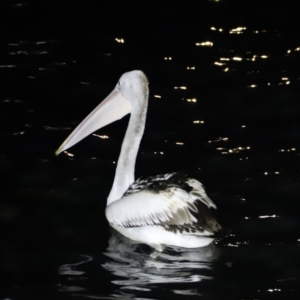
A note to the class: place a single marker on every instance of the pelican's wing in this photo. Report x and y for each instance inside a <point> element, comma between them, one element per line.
<point>194,187</point>
<point>170,200</point>
<point>198,192</point>
<point>149,207</point>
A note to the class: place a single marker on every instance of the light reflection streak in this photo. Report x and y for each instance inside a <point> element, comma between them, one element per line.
<point>231,245</point>
<point>263,217</point>
<point>206,44</point>
<point>269,173</point>
<point>7,66</point>
<point>238,30</point>
<point>238,243</point>
<point>274,290</point>
<point>69,153</point>
<point>19,52</point>
<point>20,4</point>
<point>161,152</point>
<point>287,150</point>
<point>233,150</point>
<point>214,29</point>
<point>179,143</point>
<point>40,52</point>
<point>219,64</point>
<point>236,58</point>
<point>36,42</point>
<point>121,41</point>
<point>19,133</point>
<point>191,292</point>
<point>15,100</point>
<point>157,96</point>
<point>268,216</point>
<point>101,136</point>
<point>220,139</point>
<point>57,128</point>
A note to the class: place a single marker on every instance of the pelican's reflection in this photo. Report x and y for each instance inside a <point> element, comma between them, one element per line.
<point>138,271</point>
<point>138,265</point>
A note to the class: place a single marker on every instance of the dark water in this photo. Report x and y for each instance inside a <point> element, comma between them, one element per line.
<point>225,112</point>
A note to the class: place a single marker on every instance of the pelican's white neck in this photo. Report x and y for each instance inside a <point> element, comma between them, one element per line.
<point>124,175</point>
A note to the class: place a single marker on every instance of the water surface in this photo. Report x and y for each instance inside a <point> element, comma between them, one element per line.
<point>224,108</point>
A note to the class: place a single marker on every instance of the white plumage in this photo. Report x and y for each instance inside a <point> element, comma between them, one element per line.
<point>168,209</point>
<point>153,209</point>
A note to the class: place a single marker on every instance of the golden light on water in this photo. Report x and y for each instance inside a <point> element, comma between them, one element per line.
<point>207,44</point>
<point>121,41</point>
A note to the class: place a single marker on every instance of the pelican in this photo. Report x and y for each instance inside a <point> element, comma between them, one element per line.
<point>170,209</point>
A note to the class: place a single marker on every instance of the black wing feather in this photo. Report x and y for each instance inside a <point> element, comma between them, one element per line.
<point>206,220</point>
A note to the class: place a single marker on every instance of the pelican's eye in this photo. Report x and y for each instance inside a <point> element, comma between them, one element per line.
<point>118,85</point>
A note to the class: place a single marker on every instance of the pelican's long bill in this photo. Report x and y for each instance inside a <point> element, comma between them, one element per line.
<point>114,107</point>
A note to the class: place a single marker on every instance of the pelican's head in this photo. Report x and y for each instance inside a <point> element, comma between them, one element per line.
<point>133,86</point>
<point>130,91</point>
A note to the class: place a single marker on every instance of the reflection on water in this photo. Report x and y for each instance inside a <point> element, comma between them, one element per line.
<point>135,267</point>
<point>70,269</point>
<point>171,266</point>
